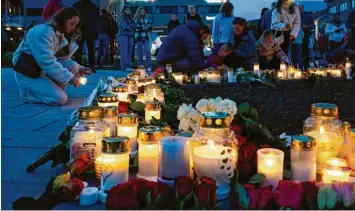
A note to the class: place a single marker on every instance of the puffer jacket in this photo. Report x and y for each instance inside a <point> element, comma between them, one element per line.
<point>182,48</point>
<point>50,8</point>
<point>271,50</point>
<point>142,30</point>
<point>43,42</point>
<point>244,47</point>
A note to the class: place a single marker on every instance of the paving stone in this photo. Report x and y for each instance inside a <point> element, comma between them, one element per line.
<point>54,114</point>
<point>44,139</point>
<point>16,190</point>
<point>57,126</point>
<point>18,124</point>
<point>24,111</point>
<point>11,104</point>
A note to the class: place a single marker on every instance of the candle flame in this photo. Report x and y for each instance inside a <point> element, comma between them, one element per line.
<point>211,144</point>
<point>83,80</point>
<point>321,130</point>
<point>91,131</point>
<point>269,162</point>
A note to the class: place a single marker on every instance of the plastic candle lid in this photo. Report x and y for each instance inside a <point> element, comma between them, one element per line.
<point>325,110</point>
<point>90,112</point>
<point>302,141</point>
<point>215,120</point>
<point>120,88</point>
<point>116,145</point>
<point>149,134</point>
<point>127,118</point>
<point>107,98</point>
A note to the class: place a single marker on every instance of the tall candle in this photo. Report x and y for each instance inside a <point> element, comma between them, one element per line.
<point>271,163</point>
<point>216,162</point>
<point>128,126</point>
<point>174,151</point>
<point>148,152</point>
<point>348,70</point>
<point>230,75</point>
<point>111,119</point>
<point>197,79</point>
<point>336,169</point>
<point>152,109</point>
<point>131,85</point>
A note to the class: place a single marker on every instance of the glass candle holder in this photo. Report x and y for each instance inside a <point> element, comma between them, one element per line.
<point>135,76</point>
<point>201,74</point>
<point>214,151</point>
<point>283,67</point>
<point>107,100</point>
<point>140,98</point>
<point>327,129</point>
<point>230,75</point>
<point>271,164</point>
<point>111,119</point>
<point>142,71</point>
<point>216,76</point>
<point>153,91</point>
<point>114,163</point>
<point>173,151</point>
<point>148,152</point>
<point>179,77</point>
<point>257,68</point>
<point>87,134</point>
<point>152,109</point>
<point>336,169</point>
<point>298,74</point>
<point>291,72</point>
<point>121,91</point>
<point>131,85</point>
<point>169,68</point>
<point>303,158</point>
<point>83,80</point>
<point>128,126</point>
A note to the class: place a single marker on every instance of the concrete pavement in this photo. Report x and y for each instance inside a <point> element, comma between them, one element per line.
<point>29,130</point>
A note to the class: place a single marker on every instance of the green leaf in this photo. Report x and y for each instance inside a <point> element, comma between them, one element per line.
<point>322,197</point>
<point>244,108</point>
<point>168,109</point>
<point>243,196</point>
<point>254,115</point>
<point>148,198</point>
<point>257,179</point>
<point>137,106</point>
<point>332,198</point>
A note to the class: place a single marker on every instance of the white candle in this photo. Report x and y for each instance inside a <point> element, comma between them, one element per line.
<point>107,100</point>
<point>270,163</point>
<point>122,92</point>
<point>283,67</point>
<point>230,75</point>
<point>179,78</point>
<point>89,196</point>
<point>174,151</point>
<point>128,126</point>
<point>152,110</point>
<point>348,70</point>
<point>257,68</point>
<point>336,169</point>
<point>298,74</point>
<point>169,68</point>
<point>336,73</point>
<point>217,162</point>
<point>280,75</point>
<point>114,170</point>
<point>83,80</point>
<point>197,79</point>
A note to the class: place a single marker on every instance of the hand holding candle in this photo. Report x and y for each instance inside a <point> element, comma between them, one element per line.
<point>83,80</point>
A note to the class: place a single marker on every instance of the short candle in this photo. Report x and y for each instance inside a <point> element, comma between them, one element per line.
<point>152,109</point>
<point>128,126</point>
<point>270,163</point>
<point>336,169</point>
<point>121,91</point>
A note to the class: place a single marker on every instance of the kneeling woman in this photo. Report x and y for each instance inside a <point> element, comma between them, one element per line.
<point>50,48</point>
<point>270,53</point>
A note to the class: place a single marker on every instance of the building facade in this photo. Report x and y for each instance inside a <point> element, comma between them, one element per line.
<point>345,7</point>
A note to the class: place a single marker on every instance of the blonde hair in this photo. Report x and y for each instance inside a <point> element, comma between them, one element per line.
<point>137,16</point>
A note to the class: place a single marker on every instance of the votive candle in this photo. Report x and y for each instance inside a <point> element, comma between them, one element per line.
<point>271,163</point>
<point>336,169</point>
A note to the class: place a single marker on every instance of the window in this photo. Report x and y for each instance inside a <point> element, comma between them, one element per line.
<point>333,10</point>
<point>168,9</point>
<point>343,6</point>
<point>34,11</point>
<point>215,8</point>
<point>148,10</point>
<point>186,10</point>
<point>352,3</point>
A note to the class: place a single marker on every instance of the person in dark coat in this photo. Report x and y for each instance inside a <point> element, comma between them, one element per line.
<point>263,12</point>
<point>113,34</point>
<point>267,18</point>
<point>182,48</point>
<point>192,15</point>
<point>173,23</point>
<point>308,27</point>
<point>89,31</point>
<point>244,51</point>
<point>104,37</point>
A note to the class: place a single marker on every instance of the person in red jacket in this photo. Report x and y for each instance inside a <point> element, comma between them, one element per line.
<point>50,8</point>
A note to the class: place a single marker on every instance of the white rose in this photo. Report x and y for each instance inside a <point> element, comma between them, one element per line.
<point>202,105</point>
<point>218,100</point>
<point>184,111</point>
<point>228,106</point>
<point>184,124</point>
<point>212,106</point>
<point>194,116</point>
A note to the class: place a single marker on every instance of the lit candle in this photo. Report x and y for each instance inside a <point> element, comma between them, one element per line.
<point>257,68</point>
<point>290,72</point>
<point>210,77</point>
<point>114,162</point>
<point>128,126</point>
<point>168,68</point>
<point>336,73</point>
<point>201,74</point>
<point>83,80</point>
<point>142,72</point>
<point>131,85</point>
<point>121,91</point>
<point>148,152</point>
<point>179,77</point>
<point>197,79</point>
<point>271,163</point>
<point>336,169</point>
<point>152,91</point>
<point>283,67</point>
<point>280,74</point>
<point>348,70</point>
<point>173,151</point>
<point>152,109</point>
<point>298,74</point>
<point>140,98</point>
<point>216,76</point>
<point>230,75</point>
<point>303,158</point>
<point>111,119</point>
<point>89,196</point>
<point>107,100</point>
<point>135,76</point>
<point>217,162</point>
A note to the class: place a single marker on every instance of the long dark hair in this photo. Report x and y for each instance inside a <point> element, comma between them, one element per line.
<point>242,21</point>
<point>263,11</point>
<point>123,14</point>
<point>226,8</point>
<point>59,19</point>
<point>279,6</point>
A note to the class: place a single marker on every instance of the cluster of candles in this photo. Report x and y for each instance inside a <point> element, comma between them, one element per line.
<point>141,77</point>
<point>213,76</point>
<point>289,72</point>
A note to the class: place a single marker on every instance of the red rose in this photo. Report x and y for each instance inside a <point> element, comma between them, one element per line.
<point>122,196</point>
<point>183,186</point>
<point>253,196</point>
<point>151,187</point>
<point>80,164</point>
<point>156,72</point>
<point>74,187</point>
<point>206,191</point>
<point>236,129</point>
<point>310,189</point>
<point>265,196</point>
<point>241,140</point>
<point>289,194</point>
<point>247,152</point>
<point>266,146</point>
<point>123,107</point>
<point>247,169</point>
<point>167,197</point>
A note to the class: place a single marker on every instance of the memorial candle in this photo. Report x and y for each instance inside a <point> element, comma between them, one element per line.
<point>107,100</point>
<point>336,169</point>
<point>131,85</point>
<point>111,119</point>
<point>128,126</point>
<point>271,163</point>
<point>179,77</point>
<point>152,109</point>
<point>121,91</point>
<point>348,70</point>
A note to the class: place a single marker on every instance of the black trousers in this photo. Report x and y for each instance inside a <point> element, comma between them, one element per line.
<point>305,49</point>
<point>90,44</point>
<point>285,46</point>
<point>273,64</point>
<point>334,45</point>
